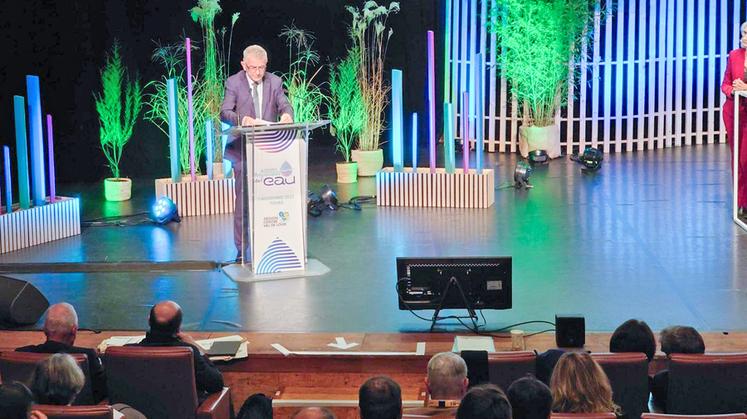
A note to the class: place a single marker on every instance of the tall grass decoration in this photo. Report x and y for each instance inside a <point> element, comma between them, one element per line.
<point>370,40</point>
<point>118,107</point>
<point>214,70</point>
<point>305,96</point>
<point>347,112</point>
<point>157,103</point>
<point>538,39</point>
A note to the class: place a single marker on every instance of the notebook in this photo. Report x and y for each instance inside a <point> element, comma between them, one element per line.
<point>224,347</point>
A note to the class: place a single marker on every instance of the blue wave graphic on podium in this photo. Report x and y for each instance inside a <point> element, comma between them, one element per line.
<point>274,141</point>
<point>277,258</point>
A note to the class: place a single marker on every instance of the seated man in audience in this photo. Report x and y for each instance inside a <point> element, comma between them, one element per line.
<point>380,398</point>
<point>256,406</point>
<point>674,340</point>
<point>634,336</point>
<point>446,384</point>
<point>165,323</point>
<point>314,413</point>
<point>530,398</point>
<point>16,402</point>
<point>61,328</point>
<point>485,401</point>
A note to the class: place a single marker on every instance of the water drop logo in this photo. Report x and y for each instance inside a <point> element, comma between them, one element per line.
<point>283,215</point>
<point>286,169</point>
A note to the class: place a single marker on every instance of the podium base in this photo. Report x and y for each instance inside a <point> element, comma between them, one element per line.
<point>243,273</point>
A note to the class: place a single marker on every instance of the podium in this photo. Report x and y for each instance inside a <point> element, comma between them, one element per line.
<point>738,95</point>
<point>275,158</point>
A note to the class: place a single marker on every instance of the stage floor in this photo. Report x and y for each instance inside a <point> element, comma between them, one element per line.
<point>649,236</point>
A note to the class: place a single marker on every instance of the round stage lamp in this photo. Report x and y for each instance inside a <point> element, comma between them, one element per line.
<point>164,211</point>
<point>329,197</point>
<point>538,157</point>
<point>592,159</point>
<point>522,172</point>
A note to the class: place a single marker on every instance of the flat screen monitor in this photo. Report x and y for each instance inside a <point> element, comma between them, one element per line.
<point>435,283</point>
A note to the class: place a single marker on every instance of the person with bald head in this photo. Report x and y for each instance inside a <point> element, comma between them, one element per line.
<point>61,328</point>
<point>165,321</point>
<point>314,413</point>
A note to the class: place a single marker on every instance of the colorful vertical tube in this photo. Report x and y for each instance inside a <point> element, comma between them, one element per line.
<point>447,51</point>
<point>8,183</point>
<point>50,160</point>
<point>176,174</point>
<point>479,120</point>
<point>398,129</point>
<point>22,157</point>
<point>473,66</point>
<point>414,135</point>
<point>224,140</point>
<point>455,59</point>
<point>36,140</point>
<point>449,159</point>
<point>463,54</point>
<point>431,102</point>
<point>190,112</point>
<point>209,143</point>
<point>465,130</point>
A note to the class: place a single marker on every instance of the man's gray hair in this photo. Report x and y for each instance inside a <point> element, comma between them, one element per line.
<point>742,27</point>
<point>57,380</point>
<point>255,51</point>
<point>61,319</point>
<point>446,374</point>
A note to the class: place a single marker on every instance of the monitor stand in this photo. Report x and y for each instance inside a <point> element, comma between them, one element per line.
<point>472,314</point>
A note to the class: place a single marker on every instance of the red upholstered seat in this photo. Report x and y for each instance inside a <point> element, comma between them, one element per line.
<point>160,383</point>
<point>19,366</point>
<point>605,415</point>
<point>628,374</point>
<point>75,412</point>
<point>506,367</point>
<point>668,416</point>
<point>707,384</point>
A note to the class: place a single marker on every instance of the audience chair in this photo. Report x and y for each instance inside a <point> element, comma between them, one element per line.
<point>76,412</point>
<point>160,383</point>
<point>628,374</point>
<point>707,384</point>
<point>604,415</point>
<point>506,367</point>
<point>19,366</point>
<point>667,416</point>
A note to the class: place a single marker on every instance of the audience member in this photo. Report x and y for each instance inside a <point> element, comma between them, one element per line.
<point>485,401</point>
<point>314,413</point>
<point>380,398</point>
<point>579,385</point>
<point>61,328</point>
<point>674,340</point>
<point>165,323</point>
<point>58,379</point>
<point>530,398</point>
<point>16,401</point>
<point>634,336</point>
<point>256,406</point>
<point>445,384</point>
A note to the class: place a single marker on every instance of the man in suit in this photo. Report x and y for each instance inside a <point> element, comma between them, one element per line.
<point>61,328</point>
<point>165,323</point>
<point>252,97</point>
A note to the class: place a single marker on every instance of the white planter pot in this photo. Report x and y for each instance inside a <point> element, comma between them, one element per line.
<point>540,138</point>
<point>369,162</point>
<point>117,189</point>
<point>347,172</point>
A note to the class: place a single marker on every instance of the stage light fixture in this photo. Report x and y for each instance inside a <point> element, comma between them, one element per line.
<point>591,158</point>
<point>538,157</point>
<point>164,211</point>
<point>329,197</point>
<point>522,172</point>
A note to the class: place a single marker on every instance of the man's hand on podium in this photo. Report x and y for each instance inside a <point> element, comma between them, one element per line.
<point>286,119</point>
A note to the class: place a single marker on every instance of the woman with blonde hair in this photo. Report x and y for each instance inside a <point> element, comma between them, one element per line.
<point>579,385</point>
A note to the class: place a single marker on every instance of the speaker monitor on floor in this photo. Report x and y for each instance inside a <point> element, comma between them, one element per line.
<point>570,330</point>
<point>20,302</point>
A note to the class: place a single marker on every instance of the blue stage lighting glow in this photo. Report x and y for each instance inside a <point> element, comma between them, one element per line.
<point>164,211</point>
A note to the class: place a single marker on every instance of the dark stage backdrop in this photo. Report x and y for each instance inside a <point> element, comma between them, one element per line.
<point>65,43</point>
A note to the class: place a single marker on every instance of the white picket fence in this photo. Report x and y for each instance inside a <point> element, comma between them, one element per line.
<point>651,77</point>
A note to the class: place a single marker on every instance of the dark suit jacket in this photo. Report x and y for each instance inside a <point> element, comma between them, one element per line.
<point>237,103</point>
<point>207,378</point>
<point>95,368</point>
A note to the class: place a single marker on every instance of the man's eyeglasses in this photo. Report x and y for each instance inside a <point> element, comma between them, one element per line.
<point>257,68</point>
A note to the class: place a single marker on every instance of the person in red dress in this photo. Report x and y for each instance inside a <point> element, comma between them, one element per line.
<point>734,80</point>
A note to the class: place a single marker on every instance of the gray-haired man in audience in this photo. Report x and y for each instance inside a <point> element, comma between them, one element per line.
<point>446,384</point>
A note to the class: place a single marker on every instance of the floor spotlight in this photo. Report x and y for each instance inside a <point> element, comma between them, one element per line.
<point>522,172</point>
<point>538,157</point>
<point>329,197</point>
<point>164,211</point>
<point>591,158</point>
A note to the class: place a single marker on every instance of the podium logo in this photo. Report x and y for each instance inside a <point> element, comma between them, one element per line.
<point>285,176</point>
<point>283,215</point>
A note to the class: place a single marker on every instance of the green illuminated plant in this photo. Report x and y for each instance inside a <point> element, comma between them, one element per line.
<point>347,112</point>
<point>118,107</point>
<point>538,39</point>
<point>370,40</point>
<point>305,97</point>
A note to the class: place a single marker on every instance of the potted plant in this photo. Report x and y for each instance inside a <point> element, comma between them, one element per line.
<point>346,113</point>
<point>370,40</point>
<point>118,107</point>
<point>538,39</point>
<point>305,96</point>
